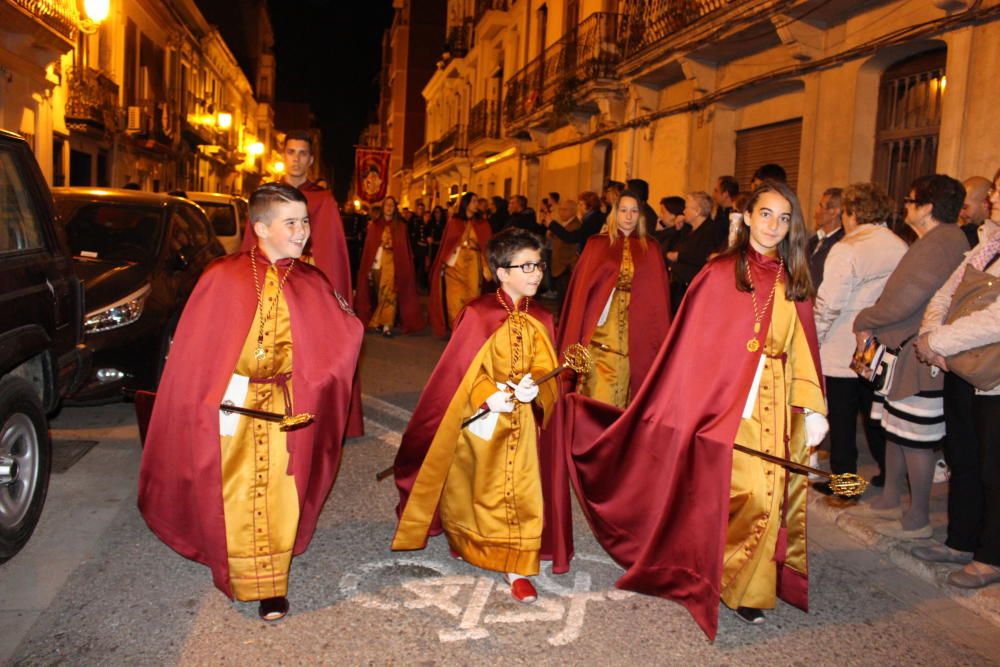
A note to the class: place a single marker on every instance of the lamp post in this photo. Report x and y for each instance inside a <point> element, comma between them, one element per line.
<point>95,12</point>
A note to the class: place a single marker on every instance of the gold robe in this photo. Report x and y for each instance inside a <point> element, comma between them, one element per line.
<point>260,500</point>
<point>763,497</point>
<point>385,279</point>
<point>488,492</point>
<point>609,378</point>
<point>463,281</point>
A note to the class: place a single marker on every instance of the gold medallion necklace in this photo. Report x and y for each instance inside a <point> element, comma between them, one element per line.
<point>758,315</point>
<point>259,352</point>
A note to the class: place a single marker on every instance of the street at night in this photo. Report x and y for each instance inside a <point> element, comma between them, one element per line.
<point>95,587</point>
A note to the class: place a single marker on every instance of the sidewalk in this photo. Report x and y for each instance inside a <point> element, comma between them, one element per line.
<point>985,601</point>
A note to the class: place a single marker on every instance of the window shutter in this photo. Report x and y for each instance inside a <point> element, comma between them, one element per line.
<point>779,143</point>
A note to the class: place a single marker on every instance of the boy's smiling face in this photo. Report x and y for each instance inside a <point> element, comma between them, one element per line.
<point>515,281</point>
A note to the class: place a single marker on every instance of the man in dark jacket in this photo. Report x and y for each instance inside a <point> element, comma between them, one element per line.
<point>523,217</point>
<point>828,231</point>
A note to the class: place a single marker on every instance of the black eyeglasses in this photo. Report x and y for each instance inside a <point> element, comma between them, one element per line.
<point>528,267</point>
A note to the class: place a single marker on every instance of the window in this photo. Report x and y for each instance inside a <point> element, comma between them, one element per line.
<point>188,232</point>
<point>777,143</point>
<point>909,121</point>
<point>21,229</point>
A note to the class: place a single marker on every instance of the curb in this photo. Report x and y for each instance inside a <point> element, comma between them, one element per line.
<point>984,601</point>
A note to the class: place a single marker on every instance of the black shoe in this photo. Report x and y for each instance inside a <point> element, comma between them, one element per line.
<point>750,615</point>
<point>877,481</point>
<point>387,333</point>
<point>273,609</point>
<point>822,487</point>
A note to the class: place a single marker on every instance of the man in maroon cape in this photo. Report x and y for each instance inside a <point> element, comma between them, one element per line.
<point>186,490</point>
<point>654,480</point>
<point>452,236</point>
<point>327,244</point>
<point>411,315</point>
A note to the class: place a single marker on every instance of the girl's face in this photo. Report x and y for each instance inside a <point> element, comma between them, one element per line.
<point>388,208</point>
<point>769,223</point>
<point>628,215</point>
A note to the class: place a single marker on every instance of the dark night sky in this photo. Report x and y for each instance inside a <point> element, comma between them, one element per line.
<point>328,54</point>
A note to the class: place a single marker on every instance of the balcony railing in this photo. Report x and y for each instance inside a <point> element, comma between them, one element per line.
<point>60,15</point>
<point>422,158</point>
<point>653,20</point>
<point>93,100</point>
<point>484,121</point>
<point>483,6</point>
<point>459,39</point>
<point>590,51</point>
<point>451,144</point>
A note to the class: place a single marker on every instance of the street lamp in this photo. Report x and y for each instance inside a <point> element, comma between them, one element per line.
<point>224,120</point>
<point>279,167</point>
<point>256,148</point>
<point>96,12</point>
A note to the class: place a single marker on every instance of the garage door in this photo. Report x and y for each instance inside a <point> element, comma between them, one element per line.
<point>778,142</point>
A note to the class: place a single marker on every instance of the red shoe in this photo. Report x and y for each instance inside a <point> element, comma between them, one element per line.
<point>523,591</point>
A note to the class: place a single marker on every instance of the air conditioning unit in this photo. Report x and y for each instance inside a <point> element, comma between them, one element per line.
<point>136,120</point>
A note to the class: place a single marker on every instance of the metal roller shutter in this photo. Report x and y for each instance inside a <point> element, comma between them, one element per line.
<point>778,142</point>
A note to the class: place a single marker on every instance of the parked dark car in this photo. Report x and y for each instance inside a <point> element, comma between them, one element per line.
<point>139,256</point>
<point>41,356</point>
<point>228,214</point>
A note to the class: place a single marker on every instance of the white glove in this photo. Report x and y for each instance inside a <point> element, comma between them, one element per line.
<point>500,402</point>
<point>526,390</point>
<point>816,428</point>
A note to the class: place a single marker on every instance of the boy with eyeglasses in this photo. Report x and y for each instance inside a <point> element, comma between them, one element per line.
<point>479,482</point>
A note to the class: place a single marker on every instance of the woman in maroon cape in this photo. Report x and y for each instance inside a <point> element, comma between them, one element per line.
<point>660,484</point>
<point>617,305</point>
<point>393,281</point>
<point>460,270</point>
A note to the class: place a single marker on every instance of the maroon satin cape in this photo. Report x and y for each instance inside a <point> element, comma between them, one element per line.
<point>590,285</point>
<point>411,316</point>
<point>328,248</point>
<point>654,480</point>
<point>475,324</point>
<point>180,481</point>
<point>449,240</point>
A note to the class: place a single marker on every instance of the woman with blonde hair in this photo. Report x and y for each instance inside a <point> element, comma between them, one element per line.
<point>617,305</point>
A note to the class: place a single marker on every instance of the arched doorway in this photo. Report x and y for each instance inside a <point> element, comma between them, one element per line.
<point>909,121</point>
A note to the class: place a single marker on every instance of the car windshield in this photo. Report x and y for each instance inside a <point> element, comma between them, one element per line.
<point>111,231</point>
<point>222,217</point>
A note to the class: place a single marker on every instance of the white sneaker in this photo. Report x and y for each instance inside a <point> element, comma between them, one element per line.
<point>941,472</point>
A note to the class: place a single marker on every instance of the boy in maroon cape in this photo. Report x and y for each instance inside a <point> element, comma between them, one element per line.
<point>327,247</point>
<point>664,492</point>
<point>480,482</point>
<point>387,260</point>
<point>241,494</point>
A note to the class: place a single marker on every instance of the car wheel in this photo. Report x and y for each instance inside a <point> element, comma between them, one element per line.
<point>25,460</point>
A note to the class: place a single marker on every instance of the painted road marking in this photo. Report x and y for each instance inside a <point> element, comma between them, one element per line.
<point>444,590</point>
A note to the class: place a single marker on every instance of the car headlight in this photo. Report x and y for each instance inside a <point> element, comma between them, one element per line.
<point>120,313</point>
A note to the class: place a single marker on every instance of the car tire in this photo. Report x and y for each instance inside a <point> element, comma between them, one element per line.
<point>25,463</point>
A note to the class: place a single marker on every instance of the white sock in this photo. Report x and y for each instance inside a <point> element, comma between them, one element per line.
<point>512,577</point>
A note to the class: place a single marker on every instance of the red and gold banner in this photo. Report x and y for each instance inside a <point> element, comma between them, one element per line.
<point>371,174</point>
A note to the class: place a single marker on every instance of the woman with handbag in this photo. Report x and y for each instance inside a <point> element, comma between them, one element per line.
<point>961,334</point>
<point>910,408</point>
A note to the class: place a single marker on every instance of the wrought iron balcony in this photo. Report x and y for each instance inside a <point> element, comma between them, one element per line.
<point>483,6</point>
<point>422,158</point>
<point>590,51</point>
<point>93,101</point>
<point>59,15</point>
<point>451,144</point>
<point>459,39</point>
<point>484,121</point>
<point>653,20</point>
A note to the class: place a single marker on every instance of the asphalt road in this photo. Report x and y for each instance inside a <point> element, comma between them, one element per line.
<point>94,586</point>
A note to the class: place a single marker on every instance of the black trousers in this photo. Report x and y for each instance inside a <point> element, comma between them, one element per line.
<point>986,419</point>
<point>845,398</point>
<point>962,454</point>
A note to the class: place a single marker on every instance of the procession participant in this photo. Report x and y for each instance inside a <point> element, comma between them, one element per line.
<point>664,492</point>
<point>327,247</point>
<point>460,269</point>
<point>240,494</point>
<point>481,484</point>
<point>617,305</point>
<point>387,270</point>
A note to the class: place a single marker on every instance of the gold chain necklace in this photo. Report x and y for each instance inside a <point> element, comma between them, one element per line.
<point>259,352</point>
<point>758,315</point>
<point>527,302</point>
